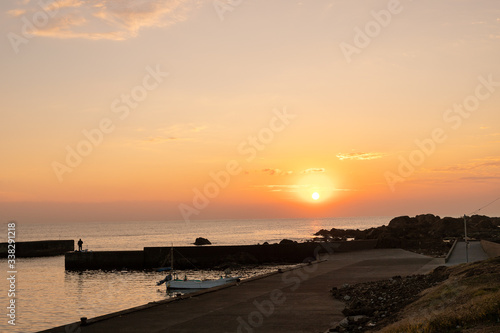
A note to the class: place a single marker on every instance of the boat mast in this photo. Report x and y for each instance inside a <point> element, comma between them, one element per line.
<point>172,257</point>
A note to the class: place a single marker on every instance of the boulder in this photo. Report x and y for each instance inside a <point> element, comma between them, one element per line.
<point>425,220</point>
<point>287,241</point>
<point>323,232</point>
<point>399,222</point>
<point>202,241</point>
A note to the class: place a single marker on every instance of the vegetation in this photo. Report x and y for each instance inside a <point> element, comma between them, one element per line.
<point>468,301</point>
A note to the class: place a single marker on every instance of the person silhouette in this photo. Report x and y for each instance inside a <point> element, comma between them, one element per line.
<point>80,243</point>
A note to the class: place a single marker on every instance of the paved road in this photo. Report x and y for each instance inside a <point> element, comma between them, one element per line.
<point>293,301</point>
<point>458,255</point>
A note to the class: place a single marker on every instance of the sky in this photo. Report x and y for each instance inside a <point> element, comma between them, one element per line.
<point>138,110</point>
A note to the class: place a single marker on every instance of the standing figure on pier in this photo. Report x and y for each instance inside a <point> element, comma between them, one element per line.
<point>80,243</point>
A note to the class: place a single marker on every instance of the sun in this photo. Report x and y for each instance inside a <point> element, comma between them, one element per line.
<point>314,188</point>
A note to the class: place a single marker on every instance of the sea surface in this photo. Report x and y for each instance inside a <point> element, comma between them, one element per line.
<point>48,296</point>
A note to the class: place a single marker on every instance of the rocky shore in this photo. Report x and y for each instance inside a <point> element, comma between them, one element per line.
<point>426,234</point>
<point>463,298</point>
<point>373,305</point>
<point>394,305</point>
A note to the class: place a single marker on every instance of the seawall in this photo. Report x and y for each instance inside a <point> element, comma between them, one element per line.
<point>107,260</point>
<point>189,257</point>
<point>39,248</point>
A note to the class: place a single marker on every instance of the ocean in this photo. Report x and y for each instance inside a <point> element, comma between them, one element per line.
<point>48,296</point>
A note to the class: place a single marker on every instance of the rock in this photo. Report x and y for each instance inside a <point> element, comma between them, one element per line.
<point>265,243</point>
<point>423,234</point>
<point>344,322</point>
<point>371,304</point>
<point>323,232</point>
<point>202,241</point>
<point>359,319</point>
<point>399,222</point>
<point>287,241</point>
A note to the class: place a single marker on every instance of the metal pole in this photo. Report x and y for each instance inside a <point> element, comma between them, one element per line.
<point>466,240</point>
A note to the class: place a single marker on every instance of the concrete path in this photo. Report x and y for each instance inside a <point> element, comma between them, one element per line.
<point>458,256</point>
<point>293,301</point>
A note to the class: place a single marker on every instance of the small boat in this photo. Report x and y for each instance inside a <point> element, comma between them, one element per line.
<point>173,282</point>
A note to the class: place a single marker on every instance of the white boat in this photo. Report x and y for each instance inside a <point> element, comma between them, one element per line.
<point>172,282</point>
<point>200,284</point>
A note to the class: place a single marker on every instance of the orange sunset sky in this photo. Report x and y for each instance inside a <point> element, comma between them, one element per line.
<point>168,110</point>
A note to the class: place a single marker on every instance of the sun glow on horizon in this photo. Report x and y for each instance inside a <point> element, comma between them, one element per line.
<point>315,187</point>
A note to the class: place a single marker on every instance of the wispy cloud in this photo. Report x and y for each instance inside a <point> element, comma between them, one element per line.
<point>159,139</point>
<point>473,166</point>
<point>106,19</point>
<point>485,179</point>
<point>282,188</point>
<point>313,170</point>
<point>299,187</point>
<point>276,172</point>
<point>359,156</point>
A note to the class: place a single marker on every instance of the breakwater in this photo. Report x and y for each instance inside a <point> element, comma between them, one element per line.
<point>189,257</point>
<point>39,248</point>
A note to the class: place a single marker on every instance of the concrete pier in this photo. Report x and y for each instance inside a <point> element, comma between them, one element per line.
<point>39,248</point>
<point>189,257</point>
<point>292,301</point>
<point>106,260</point>
<point>475,253</point>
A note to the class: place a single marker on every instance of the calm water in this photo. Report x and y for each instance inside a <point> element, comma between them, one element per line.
<point>48,296</point>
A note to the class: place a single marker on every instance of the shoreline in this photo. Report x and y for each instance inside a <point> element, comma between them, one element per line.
<point>310,280</point>
<point>178,297</point>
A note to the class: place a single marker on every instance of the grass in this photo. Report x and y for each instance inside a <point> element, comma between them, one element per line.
<point>469,298</point>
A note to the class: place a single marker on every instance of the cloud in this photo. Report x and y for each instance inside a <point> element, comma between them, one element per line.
<point>482,179</point>
<point>299,187</point>
<point>359,156</point>
<point>282,188</point>
<point>276,172</point>
<point>474,166</point>
<point>159,139</point>
<point>106,19</point>
<point>313,170</point>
